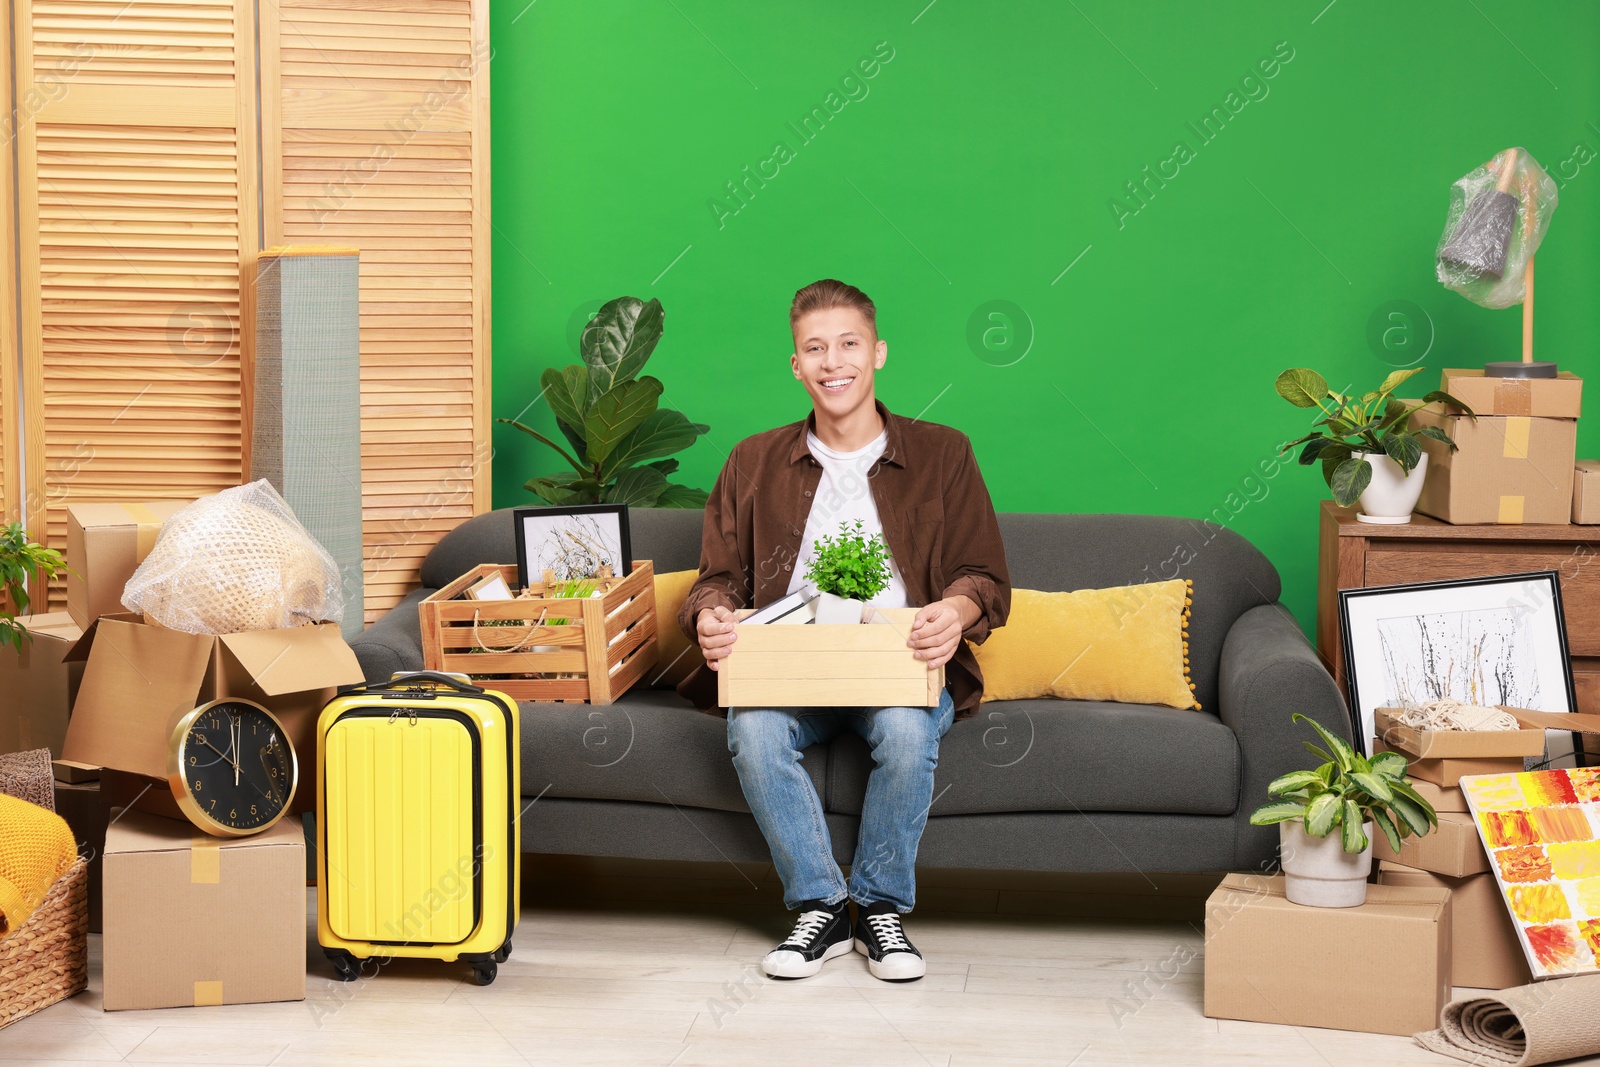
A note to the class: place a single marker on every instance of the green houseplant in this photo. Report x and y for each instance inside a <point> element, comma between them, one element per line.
<point>847,569</point>
<point>1348,792</point>
<point>22,563</point>
<point>612,420</point>
<point>1371,425</point>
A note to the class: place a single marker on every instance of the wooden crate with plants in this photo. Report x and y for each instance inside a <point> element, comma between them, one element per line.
<point>555,641</point>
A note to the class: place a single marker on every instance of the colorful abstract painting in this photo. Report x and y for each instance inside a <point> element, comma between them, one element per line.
<point>1542,832</point>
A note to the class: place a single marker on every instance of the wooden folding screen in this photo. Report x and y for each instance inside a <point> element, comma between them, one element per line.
<point>383,121</point>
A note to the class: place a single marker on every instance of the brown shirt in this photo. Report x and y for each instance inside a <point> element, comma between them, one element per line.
<point>937,520</point>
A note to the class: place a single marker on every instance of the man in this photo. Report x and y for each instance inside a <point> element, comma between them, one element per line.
<point>918,484</point>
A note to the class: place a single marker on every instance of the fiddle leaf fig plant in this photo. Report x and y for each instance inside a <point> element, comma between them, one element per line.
<point>22,562</point>
<point>619,435</point>
<point>850,564</point>
<point>1346,792</point>
<point>1374,423</point>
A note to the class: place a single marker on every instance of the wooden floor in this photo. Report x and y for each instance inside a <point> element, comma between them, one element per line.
<point>622,962</point>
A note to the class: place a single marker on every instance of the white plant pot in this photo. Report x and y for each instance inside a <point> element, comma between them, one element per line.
<point>1318,872</point>
<point>838,609</point>
<point>1391,496</point>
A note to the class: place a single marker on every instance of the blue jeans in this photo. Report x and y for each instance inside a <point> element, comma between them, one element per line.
<point>766,744</point>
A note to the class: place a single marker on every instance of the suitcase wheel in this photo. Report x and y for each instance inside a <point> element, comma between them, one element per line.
<point>483,972</point>
<point>503,953</point>
<point>345,966</point>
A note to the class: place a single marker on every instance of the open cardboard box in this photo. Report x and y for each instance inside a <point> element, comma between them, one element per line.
<point>828,665</point>
<point>140,679</point>
<point>1458,744</point>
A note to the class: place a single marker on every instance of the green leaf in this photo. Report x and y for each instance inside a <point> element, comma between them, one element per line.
<point>567,392</point>
<point>664,432</point>
<point>1390,765</point>
<point>568,490</point>
<point>1288,783</point>
<point>618,340</point>
<point>1271,814</point>
<point>1392,382</point>
<point>1301,387</point>
<point>1321,814</point>
<point>1350,480</point>
<point>1404,790</point>
<point>1411,814</point>
<point>1439,396</point>
<point>681,496</point>
<point>665,466</point>
<point>1403,449</point>
<point>637,487</point>
<point>1385,824</point>
<point>1352,834</point>
<point>1373,785</point>
<point>1322,448</point>
<point>1343,754</point>
<point>1434,433</point>
<point>1319,753</point>
<point>618,413</point>
<point>537,436</point>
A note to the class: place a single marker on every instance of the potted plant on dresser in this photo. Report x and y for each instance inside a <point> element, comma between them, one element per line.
<point>1368,450</point>
<point>1348,793</point>
<point>847,570</point>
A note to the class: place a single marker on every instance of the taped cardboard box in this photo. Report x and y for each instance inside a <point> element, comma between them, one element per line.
<point>1453,849</point>
<point>83,806</point>
<point>1484,951</point>
<point>38,684</point>
<point>1456,744</point>
<point>1326,978</point>
<point>1586,492</point>
<point>1442,797</point>
<point>140,679</point>
<point>105,545</point>
<point>1447,773</point>
<point>1560,397</point>
<point>1506,469</point>
<point>192,920</point>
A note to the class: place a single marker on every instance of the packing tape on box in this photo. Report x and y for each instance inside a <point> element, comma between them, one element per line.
<point>147,530</point>
<point>1510,510</point>
<point>1518,429</point>
<point>1513,396</point>
<point>207,994</point>
<point>205,861</point>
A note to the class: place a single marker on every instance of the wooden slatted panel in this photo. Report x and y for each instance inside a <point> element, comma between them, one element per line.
<point>383,127</point>
<point>137,210</point>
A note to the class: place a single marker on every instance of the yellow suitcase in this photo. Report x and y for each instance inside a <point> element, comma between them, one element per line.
<point>418,790</point>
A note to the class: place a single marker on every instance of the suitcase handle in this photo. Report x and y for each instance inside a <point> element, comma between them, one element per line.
<point>410,680</point>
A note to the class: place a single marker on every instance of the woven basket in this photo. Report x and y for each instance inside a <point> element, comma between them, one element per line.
<point>46,959</point>
<point>29,776</point>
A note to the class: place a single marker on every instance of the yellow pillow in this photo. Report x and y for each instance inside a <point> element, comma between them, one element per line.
<point>1129,644</point>
<point>676,656</point>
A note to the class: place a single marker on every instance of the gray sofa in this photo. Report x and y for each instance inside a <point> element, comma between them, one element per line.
<point>1022,785</point>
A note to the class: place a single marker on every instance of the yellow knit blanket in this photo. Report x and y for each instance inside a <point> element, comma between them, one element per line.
<point>36,848</point>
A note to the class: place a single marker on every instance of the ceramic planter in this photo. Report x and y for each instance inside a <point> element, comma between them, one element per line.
<point>1319,872</point>
<point>836,609</point>
<point>1392,494</point>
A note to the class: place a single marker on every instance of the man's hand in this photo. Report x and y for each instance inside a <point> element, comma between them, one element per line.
<point>714,628</point>
<point>936,631</point>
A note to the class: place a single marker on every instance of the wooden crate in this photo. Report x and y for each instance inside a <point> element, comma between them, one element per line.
<point>604,646</point>
<point>779,666</point>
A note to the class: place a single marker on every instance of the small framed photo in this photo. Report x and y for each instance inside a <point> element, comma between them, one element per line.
<point>493,587</point>
<point>1485,641</point>
<point>572,541</point>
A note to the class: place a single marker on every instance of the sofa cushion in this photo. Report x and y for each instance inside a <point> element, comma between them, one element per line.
<point>1066,755</point>
<point>649,746</point>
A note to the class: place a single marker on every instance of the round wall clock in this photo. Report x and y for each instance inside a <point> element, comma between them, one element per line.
<point>231,768</point>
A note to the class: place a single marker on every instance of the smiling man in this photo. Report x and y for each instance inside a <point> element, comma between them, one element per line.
<point>918,484</point>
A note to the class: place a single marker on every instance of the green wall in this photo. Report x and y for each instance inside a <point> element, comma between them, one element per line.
<point>983,159</point>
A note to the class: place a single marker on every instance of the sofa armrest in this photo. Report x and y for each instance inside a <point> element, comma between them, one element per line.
<point>1270,671</point>
<point>394,642</point>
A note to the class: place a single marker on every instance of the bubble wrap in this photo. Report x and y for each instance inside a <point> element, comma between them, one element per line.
<point>1473,225</point>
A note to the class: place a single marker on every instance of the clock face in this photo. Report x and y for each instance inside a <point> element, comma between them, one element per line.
<point>231,768</point>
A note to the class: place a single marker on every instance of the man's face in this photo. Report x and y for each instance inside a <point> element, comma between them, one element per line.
<point>836,351</point>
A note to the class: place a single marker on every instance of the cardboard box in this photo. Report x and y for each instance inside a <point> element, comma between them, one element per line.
<point>1456,744</point>
<point>139,680</point>
<point>73,772</point>
<point>1484,950</point>
<point>1442,797</point>
<point>38,685</point>
<point>1586,492</point>
<point>1271,961</point>
<point>192,920</point>
<point>1560,397</point>
<point>1449,772</point>
<point>828,665</point>
<point>1453,849</point>
<point>83,805</point>
<point>105,545</point>
<point>1506,469</point>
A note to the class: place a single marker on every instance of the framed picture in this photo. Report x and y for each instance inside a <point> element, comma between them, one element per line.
<point>574,542</point>
<point>1486,641</point>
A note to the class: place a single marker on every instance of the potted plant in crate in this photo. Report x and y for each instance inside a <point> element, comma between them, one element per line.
<point>22,563</point>
<point>848,569</point>
<point>1369,452</point>
<point>1349,793</point>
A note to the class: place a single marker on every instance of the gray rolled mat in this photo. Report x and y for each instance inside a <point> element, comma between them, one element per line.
<point>1528,1024</point>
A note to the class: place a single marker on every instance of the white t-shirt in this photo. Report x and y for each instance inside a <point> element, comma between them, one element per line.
<point>844,494</point>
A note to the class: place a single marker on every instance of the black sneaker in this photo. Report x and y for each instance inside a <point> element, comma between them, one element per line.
<point>820,934</point>
<point>882,939</point>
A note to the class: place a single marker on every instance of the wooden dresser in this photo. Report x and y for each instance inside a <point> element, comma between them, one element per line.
<point>1353,555</point>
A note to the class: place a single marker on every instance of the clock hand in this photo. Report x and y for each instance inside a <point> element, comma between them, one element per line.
<point>225,756</point>
<point>235,736</point>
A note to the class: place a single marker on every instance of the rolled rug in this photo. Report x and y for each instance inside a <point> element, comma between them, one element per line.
<point>1546,1022</point>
